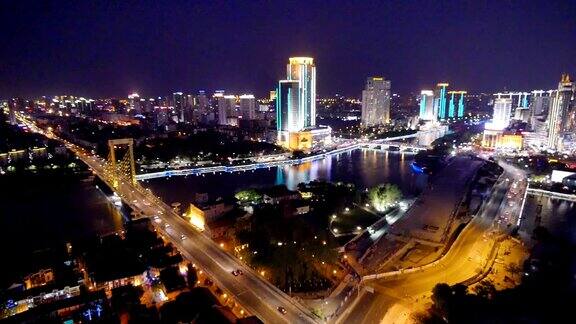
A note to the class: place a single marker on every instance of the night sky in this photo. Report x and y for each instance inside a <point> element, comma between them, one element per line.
<point>112,48</point>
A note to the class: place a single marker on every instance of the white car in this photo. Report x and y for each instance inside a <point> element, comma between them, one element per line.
<point>182,237</point>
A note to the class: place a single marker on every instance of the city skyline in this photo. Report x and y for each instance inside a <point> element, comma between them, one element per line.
<point>474,46</point>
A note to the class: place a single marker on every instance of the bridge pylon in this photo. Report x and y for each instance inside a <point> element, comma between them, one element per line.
<point>121,161</point>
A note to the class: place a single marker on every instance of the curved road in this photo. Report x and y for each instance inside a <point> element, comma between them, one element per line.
<point>465,259</point>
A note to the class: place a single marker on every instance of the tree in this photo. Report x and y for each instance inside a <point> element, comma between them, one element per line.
<point>248,195</point>
<point>485,289</point>
<point>383,196</point>
<point>191,276</point>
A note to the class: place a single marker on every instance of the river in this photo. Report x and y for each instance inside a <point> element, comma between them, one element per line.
<point>363,167</point>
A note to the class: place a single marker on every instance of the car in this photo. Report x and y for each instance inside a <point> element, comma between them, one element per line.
<point>166,225</point>
<point>182,237</point>
<point>237,272</point>
<point>281,309</point>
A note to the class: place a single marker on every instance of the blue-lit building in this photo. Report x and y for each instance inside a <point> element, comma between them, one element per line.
<point>296,105</point>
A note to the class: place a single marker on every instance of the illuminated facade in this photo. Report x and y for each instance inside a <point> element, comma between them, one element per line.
<point>440,101</point>
<point>248,106</point>
<point>220,103</point>
<point>134,102</point>
<point>376,102</point>
<point>562,115</point>
<point>453,110</point>
<point>303,70</point>
<point>427,105</point>
<point>178,100</point>
<point>498,139</point>
<point>502,114</point>
<point>296,100</point>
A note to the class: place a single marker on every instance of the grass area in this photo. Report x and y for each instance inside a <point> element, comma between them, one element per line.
<point>348,221</point>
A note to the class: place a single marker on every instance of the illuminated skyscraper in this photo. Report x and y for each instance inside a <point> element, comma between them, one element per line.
<point>134,102</point>
<point>220,107</point>
<point>454,112</point>
<point>561,116</point>
<point>296,98</point>
<point>178,100</point>
<point>461,104</point>
<point>376,102</point>
<point>502,113</point>
<point>303,70</point>
<point>287,99</point>
<point>440,100</point>
<point>427,105</point>
<point>248,106</point>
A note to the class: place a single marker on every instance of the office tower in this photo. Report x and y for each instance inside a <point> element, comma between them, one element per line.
<point>376,102</point>
<point>561,117</point>
<point>540,103</point>
<point>230,102</point>
<point>451,105</point>
<point>296,108</point>
<point>427,105</point>
<point>220,107</point>
<point>134,103</point>
<point>287,112</point>
<point>178,100</point>
<point>248,106</point>
<point>440,100</point>
<point>461,104</point>
<point>303,70</point>
<point>502,112</point>
<point>519,99</point>
<point>454,112</point>
<point>203,102</point>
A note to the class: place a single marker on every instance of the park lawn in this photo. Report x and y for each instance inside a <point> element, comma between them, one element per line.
<point>348,221</point>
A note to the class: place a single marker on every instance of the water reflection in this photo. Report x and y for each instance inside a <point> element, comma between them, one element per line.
<point>364,168</point>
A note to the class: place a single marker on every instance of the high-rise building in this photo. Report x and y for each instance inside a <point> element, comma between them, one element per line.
<point>230,102</point>
<point>440,100</point>
<point>303,70</point>
<point>540,103</point>
<point>296,107</point>
<point>134,103</point>
<point>427,105</point>
<point>287,112</point>
<point>220,107</point>
<point>296,96</point>
<point>561,116</point>
<point>376,102</point>
<point>248,106</point>
<point>502,113</point>
<point>178,100</point>
<point>456,111</point>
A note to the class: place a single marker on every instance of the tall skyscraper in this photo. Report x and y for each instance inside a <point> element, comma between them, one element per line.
<point>178,100</point>
<point>427,105</point>
<point>286,109</point>
<point>230,102</point>
<point>220,107</point>
<point>453,110</point>
<point>376,102</point>
<point>296,96</point>
<point>440,100</point>
<point>248,106</point>
<point>296,107</point>
<point>502,113</point>
<point>561,116</point>
<point>303,70</point>
<point>134,103</point>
